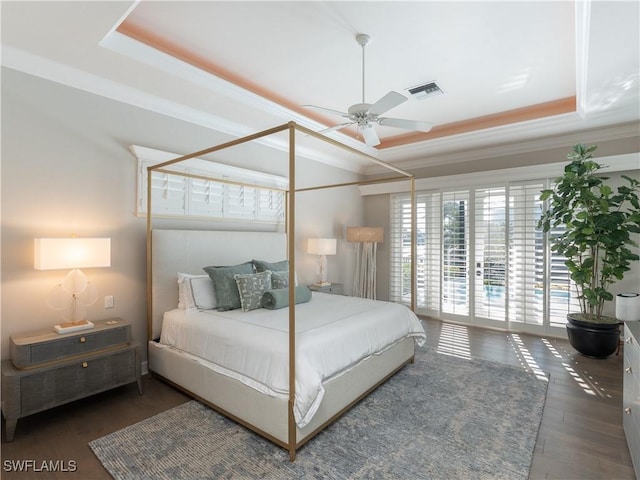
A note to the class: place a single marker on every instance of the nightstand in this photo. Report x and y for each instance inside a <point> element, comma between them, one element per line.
<point>335,288</point>
<point>48,369</point>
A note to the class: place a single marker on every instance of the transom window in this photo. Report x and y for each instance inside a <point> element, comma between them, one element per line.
<point>190,196</point>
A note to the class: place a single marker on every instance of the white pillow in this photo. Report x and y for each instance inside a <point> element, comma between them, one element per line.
<point>196,291</point>
<point>204,292</point>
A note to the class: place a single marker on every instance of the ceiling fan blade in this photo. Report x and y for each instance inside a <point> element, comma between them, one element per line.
<point>370,136</point>
<point>336,127</point>
<point>390,100</point>
<point>407,124</point>
<point>335,112</point>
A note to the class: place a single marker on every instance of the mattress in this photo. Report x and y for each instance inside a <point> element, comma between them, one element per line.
<point>334,333</point>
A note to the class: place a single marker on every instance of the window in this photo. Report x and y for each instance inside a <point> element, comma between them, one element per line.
<point>196,196</point>
<point>480,257</point>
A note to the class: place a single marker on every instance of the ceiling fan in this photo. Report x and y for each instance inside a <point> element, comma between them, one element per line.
<point>365,114</point>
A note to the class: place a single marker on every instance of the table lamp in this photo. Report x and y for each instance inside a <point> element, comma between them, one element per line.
<point>75,293</point>
<point>322,247</point>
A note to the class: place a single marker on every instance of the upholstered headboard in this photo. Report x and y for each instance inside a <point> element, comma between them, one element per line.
<point>187,251</point>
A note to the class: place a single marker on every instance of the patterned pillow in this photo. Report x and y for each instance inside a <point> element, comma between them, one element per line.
<point>280,279</point>
<point>227,295</point>
<point>251,288</point>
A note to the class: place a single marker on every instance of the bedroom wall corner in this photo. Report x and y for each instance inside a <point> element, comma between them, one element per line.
<point>378,214</point>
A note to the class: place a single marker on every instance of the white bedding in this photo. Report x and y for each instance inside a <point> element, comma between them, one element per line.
<point>333,334</point>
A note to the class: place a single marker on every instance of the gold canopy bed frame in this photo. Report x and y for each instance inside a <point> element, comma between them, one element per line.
<point>293,438</point>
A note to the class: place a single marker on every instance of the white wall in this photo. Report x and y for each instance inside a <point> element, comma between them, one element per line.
<point>67,169</point>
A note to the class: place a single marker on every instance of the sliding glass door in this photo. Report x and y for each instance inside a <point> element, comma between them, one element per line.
<point>480,258</point>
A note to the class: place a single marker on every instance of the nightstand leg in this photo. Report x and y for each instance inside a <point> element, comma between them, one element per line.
<point>10,428</point>
<point>139,382</point>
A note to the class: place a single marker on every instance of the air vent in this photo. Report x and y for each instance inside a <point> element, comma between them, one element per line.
<point>425,90</point>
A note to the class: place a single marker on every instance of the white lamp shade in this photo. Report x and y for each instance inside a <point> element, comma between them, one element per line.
<point>63,253</point>
<point>322,246</point>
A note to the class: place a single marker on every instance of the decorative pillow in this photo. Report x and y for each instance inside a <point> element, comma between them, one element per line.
<point>226,289</point>
<point>279,298</point>
<point>262,266</point>
<point>280,279</point>
<point>183,295</point>
<point>204,292</point>
<point>196,291</point>
<point>251,287</point>
<point>282,266</point>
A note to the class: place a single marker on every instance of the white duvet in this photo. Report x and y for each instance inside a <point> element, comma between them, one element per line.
<point>333,334</point>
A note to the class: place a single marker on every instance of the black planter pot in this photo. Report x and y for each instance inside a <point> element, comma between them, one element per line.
<point>597,340</point>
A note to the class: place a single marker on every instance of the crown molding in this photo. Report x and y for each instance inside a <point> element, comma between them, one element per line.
<point>614,163</point>
<point>143,53</point>
<point>35,65</point>
<point>452,149</point>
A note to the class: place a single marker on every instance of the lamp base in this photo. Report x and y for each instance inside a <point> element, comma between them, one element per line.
<point>322,284</point>
<point>73,326</point>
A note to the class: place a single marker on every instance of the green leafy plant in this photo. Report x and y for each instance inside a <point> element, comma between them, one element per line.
<point>598,223</point>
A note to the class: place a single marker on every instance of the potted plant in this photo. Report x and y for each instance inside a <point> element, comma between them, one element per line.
<point>596,241</point>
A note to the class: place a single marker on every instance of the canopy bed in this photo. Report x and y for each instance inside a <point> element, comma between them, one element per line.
<point>285,373</point>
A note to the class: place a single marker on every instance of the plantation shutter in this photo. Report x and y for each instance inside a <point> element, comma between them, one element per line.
<point>432,270</point>
<point>427,276</point>
<point>206,198</point>
<point>168,194</point>
<point>455,252</point>
<point>481,245</point>
<point>490,253</point>
<point>400,241</point>
<point>526,254</point>
<point>177,195</point>
<point>562,293</point>
<point>240,201</point>
<point>270,205</point>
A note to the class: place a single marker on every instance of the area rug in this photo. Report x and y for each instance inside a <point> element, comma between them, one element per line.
<point>440,418</point>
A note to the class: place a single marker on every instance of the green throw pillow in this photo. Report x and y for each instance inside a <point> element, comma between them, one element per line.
<point>225,284</point>
<point>262,266</point>
<point>280,279</point>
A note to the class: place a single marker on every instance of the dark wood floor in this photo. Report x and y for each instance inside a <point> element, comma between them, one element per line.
<point>581,435</point>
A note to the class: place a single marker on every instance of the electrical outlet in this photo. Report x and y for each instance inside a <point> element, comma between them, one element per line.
<point>108,301</point>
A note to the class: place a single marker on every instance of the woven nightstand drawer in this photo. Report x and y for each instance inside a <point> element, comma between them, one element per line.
<point>73,380</point>
<point>48,346</point>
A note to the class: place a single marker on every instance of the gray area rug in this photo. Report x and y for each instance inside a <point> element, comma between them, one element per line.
<point>440,418</point>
